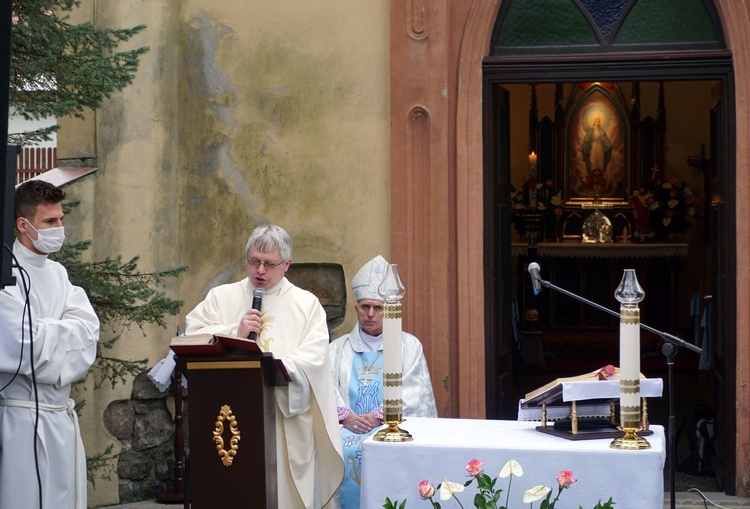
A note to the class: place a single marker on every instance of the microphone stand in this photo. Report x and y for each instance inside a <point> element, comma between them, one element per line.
<point>670,348</point>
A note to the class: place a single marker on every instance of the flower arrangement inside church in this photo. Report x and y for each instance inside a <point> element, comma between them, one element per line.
<point>488,495</point>
<point>535,199</point>
<point>671,205</point>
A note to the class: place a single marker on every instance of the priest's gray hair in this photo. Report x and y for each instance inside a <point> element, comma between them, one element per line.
<point>269,238</point>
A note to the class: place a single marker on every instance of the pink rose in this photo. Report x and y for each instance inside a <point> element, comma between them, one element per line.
<point>565,478</point>
<point>426,490</point>
<point>475,468</point>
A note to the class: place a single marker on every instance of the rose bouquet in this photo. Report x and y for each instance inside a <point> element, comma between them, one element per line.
<point>671,204</point>
<point>488,496</point>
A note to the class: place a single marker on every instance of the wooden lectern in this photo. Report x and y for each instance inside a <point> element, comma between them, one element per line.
<point>232,430</point>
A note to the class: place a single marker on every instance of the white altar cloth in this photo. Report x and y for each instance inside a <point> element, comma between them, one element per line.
<point>443,447</point>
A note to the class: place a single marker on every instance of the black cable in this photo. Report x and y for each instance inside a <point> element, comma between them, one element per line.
<point>26,280</point>
<point>24,277</point>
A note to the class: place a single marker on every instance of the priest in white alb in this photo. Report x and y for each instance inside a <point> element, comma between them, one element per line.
<point>357,364</point>
<point>292,325</point>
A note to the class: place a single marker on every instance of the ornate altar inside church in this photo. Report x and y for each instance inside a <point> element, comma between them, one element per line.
<point>597,170</point>
<point>596,200</point>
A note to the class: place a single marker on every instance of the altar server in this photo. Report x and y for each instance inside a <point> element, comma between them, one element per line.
<point>357,364</point>
<point>292,325</point>
<point>45,318</point>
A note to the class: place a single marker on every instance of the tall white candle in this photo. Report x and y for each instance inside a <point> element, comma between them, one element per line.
<point>630,366</point>
<point>629,294</point>
<point>392,362</point>
<point>392,291</point>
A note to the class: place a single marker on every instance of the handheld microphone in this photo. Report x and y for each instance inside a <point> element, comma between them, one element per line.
<point>258,294</point>
<point>536,279</point>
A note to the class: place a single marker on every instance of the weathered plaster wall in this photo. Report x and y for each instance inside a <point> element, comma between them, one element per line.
<point>277,102</point>
<point>242,113</point>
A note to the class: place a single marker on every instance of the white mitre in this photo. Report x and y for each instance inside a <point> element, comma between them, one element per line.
<point>366,282</point>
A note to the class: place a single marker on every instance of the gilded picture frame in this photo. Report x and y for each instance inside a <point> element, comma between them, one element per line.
<point>597,145</point>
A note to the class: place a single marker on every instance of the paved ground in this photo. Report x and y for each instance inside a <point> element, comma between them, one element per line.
<point>694,499</point>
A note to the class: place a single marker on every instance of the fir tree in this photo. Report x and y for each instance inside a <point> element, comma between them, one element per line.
<point>122,297</point>
<point>59,69</point>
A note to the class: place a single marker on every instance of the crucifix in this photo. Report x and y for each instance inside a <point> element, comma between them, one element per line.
<point>654,172</point>
<point>368,375</point>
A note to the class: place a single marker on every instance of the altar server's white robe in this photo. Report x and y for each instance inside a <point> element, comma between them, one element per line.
<point>418,399</point>
<point>65,330</point>
<point>294,330</point>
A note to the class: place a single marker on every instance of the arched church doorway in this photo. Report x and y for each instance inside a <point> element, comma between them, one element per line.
<point>656,84</point>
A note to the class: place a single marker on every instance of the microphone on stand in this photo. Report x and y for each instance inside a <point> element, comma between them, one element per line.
<point>258,294</point>
<point>536,279</point>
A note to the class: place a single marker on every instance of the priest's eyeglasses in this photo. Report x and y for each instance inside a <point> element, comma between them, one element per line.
<point>266,265</point>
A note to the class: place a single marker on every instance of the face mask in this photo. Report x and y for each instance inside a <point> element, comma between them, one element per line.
<point>49,240</point>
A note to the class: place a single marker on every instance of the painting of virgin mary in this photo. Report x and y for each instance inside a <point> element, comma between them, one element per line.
<point>597,149</point>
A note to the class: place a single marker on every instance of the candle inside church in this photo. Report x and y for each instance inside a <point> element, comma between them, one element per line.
<point>532,159</point>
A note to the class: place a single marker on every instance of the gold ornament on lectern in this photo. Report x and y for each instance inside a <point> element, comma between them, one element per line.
<point>629,294</point>
<point>392,290</point>
<point>227,456</point>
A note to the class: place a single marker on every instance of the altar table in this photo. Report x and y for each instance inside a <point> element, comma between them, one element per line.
<point>443,447</point>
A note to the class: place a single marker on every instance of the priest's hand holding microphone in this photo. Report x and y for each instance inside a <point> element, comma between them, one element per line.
<point>251,322</point>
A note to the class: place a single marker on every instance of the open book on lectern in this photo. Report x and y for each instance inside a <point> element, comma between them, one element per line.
<point>213,344</point>
<point>202,344</point>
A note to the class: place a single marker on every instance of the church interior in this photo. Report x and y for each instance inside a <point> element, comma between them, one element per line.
<point>644,204</point>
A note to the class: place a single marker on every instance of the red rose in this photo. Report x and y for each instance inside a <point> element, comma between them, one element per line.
<point>565,478</point>
<point>426,490</point>
<point>475,468</point>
